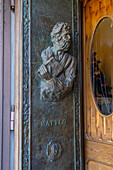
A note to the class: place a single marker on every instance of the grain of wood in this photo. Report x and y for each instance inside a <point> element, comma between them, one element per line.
<point>98,127</point>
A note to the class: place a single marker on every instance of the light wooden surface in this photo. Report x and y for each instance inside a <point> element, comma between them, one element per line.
<point>18,86</point>
<point>98,166</point>
<point>97,127</point>
<point>99,151</point>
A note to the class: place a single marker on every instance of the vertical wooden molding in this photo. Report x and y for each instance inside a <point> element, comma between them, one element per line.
<point>18,86</point>
<point>80,72</point>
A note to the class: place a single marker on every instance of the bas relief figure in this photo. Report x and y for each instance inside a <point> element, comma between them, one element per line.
<point>57,72</point>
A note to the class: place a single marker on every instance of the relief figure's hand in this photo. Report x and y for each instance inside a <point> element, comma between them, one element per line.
<point>43,73</point>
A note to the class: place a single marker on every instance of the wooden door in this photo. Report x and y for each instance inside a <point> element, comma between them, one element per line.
<point>98,123</point>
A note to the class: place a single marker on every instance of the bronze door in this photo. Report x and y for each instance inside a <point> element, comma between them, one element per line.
<point>48,125</point>
<point>98,86</point>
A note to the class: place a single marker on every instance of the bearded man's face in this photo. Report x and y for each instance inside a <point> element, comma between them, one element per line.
<point>61,42</point>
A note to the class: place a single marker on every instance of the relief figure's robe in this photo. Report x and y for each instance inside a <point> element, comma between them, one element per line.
<point>62,71</point>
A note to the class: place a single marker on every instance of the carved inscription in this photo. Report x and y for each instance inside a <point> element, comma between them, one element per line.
<point>45,123</point>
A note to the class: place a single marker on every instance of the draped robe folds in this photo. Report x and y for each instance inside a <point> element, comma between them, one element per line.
<point>62,72</point>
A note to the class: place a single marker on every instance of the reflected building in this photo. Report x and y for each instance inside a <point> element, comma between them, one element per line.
<point>101,89</point>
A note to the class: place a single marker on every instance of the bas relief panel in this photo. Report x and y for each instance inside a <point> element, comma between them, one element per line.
<point>49,101</point>
<point>57,72</point>
<point>53,69</point>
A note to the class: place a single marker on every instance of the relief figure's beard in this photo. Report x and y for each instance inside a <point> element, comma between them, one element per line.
<point>61,45</point>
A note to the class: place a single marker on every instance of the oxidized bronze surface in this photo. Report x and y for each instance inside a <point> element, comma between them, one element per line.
<point>57,72</point>
<point>52,122</point>
<point>54,150</point>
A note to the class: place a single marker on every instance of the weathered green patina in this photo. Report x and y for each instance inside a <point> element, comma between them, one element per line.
<point>52,135</point>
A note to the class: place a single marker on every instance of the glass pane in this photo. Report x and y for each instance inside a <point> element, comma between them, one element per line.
<point>102,66</point>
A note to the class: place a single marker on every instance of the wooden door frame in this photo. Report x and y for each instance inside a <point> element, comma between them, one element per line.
<point>20,8</point>
<point>18,86</point>
<point>94,142</point>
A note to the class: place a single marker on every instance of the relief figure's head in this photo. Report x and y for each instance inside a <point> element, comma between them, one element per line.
<point>61,36</point>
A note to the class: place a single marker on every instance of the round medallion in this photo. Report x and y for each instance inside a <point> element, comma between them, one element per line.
<point>54,150</point>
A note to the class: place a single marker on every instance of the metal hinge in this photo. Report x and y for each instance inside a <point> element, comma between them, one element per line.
<point>12,4</point>
<point>12,118</point>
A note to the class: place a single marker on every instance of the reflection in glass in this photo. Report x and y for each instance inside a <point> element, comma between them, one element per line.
<point>102,66</point>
